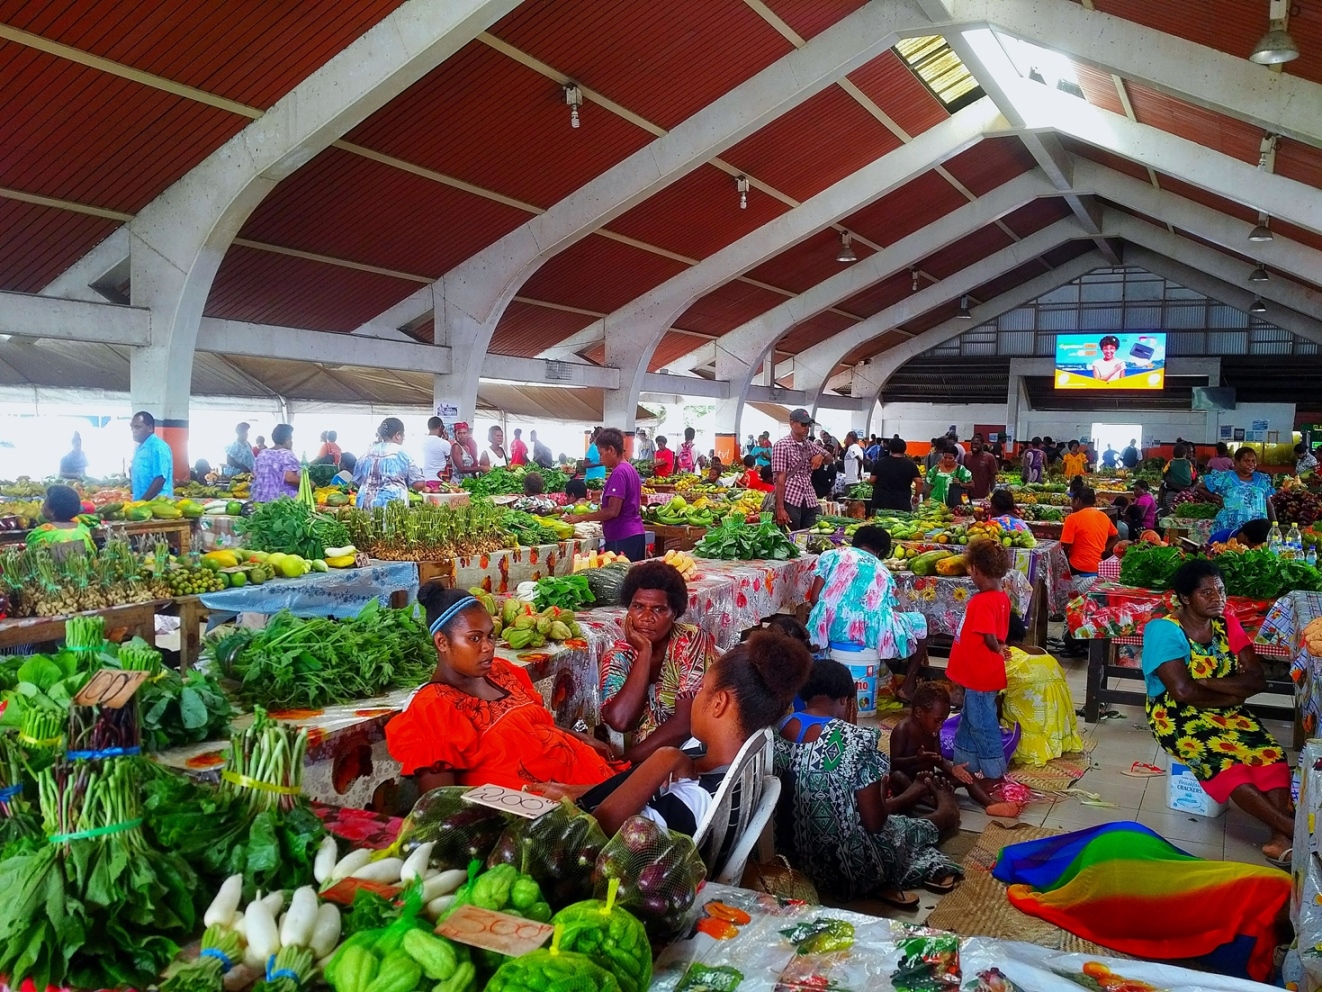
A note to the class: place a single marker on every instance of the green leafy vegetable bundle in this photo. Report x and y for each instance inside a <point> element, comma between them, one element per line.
<point>527,530</point>
<point>1149,566</point>
<point>291,527</point>
<point>569,592</point>
<point>509,481</point>
<point>1259,574</point>
<point>174,709</point>
<point>1196,511</point>
<point>735,540</point>
<point>313,662</point>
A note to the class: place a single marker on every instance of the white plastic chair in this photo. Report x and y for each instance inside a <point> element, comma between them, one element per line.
<point>747,778</point>
<point>732,872</point>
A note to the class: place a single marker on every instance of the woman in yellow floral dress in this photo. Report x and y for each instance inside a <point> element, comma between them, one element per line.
<point>1200,667</point>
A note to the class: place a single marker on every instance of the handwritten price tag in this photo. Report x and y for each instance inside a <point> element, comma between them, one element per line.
<point>345,889</point>
<point>523,804</point>
<point>499,932</point>
<point>111,688</point>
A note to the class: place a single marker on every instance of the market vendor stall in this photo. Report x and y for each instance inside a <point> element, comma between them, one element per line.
<point>1174,528</point>
<point>941,598</point>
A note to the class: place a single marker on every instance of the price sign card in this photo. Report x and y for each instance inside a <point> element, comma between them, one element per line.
<point>491,931</point>
<point>111,688</point>
<point>345,889</point>
<point>523,804</point>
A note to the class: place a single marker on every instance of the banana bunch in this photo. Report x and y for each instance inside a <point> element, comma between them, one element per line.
<point>749,501</point>
<point>683,563</point>
<point>518,623</point>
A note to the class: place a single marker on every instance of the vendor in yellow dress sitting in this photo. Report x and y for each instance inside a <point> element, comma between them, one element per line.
<point>61,509</point>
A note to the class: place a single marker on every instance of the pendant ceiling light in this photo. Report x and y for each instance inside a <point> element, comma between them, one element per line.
<point>1262,233</point>
<point>1276,46</point>
<point>964,312</point>
<point>1258,306</point>
<point>574,99</point>
<point>846,252</point>
<point>1259,273</point>
<point>741,183</point>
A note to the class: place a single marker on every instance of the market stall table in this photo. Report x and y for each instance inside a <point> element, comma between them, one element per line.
<point>1174,528</point>
<point>177,533</point>
<point>667,537</point>
<point>133,618</point>
<point>942,599</point>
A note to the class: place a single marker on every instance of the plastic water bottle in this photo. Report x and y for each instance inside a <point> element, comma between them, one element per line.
<point>1311,557</point>
<point>1275,543</point>
<point>1294,542</point>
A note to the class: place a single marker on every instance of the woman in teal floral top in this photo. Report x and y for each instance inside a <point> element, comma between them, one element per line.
<point>385,472</point>
<point>1245,493</point>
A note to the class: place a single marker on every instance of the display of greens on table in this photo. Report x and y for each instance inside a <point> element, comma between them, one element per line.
<point>1255,574</point>
<point>509,481</point>
<point>735,540</point>
<point>1149,566</point>
<point>569,592</point>
<point>292,527</point>
<point>861,490</point>
<point>1196,511</point>
<point>297,662</point>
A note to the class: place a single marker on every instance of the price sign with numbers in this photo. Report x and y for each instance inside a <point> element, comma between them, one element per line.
<point>523,804</point>
<point>499,932</point>
<point>111,688</point>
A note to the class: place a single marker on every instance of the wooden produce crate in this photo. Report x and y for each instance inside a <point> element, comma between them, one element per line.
<point>177,533</point>
<point>675,538</point>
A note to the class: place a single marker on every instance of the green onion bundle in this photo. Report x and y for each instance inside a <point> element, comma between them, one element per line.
<point>266,763</point>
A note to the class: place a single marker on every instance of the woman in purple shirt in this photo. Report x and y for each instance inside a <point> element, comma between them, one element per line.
<point>276,471</point>
<point>621,501</point>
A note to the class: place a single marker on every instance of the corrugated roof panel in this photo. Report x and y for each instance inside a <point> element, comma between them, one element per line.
<point>1306,29</point>
<point>815,144</point>
<point>489,120</point>
<point>1103,157</point>
<point>697,215</point>
<point>1211,130</point>
<point>881,344</point>
<point>1037,214</point>
<point>1190,192</point>
<point>990,163</point>
<point>813,331</point>
<point>726,307</point>
<point>880,295</point>
<point>893,87</point>
<point>910,208</point>
<point>1067,252</point>
<point>595,353</point>
<point>526,330</point>
<point>1110,205</point>
<point>1295,160</point>
<point>1296,233</point>
<point>937,315</point>
<point>812,17</point>
<point>599,274</point>
<point>665,61</point>
<point>251,51</point>
<point>41,242</point>
<point>966,251</point>
<point>1216,247</point>
<point>1008,281</point>
<point>1098,88</point>
<point>269,288</point>
<point>809,262</point>
<point>673,346</point>
<point>350,207</point>
<point>77,134</point>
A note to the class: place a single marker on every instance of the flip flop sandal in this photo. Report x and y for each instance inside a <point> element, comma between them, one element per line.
<point>941,888</point>
<point>1091,799</point>
<point>899,898</point>
<point>1284,861</point>
<point>1141,769</point>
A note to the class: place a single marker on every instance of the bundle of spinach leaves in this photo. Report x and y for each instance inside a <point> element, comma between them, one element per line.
<point>569,592</point>
<point>291,527</point>
<point>1259,574</point>
<point>1149,566</point>
<point>733,539</point>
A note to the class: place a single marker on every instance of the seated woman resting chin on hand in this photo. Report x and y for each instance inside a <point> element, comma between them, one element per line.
<point>479,720</point>
<point>1200,668</point>
<point>649,680</point>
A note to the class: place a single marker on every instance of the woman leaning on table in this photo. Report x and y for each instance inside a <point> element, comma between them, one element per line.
<point>1200,668</point>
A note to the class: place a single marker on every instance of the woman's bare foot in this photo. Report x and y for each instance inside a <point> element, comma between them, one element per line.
<point>1275,848</point>
<point>1008,810</point>
<point>946,816</point>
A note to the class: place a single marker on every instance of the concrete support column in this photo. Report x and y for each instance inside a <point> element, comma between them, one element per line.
<point>866,386</point>
<point>1014,397</point>
<point>620,409</point>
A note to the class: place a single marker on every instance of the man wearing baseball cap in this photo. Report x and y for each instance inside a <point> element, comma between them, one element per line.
<point>793,459</point>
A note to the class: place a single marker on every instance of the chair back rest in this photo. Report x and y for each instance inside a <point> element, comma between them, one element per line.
<point>735,801</point>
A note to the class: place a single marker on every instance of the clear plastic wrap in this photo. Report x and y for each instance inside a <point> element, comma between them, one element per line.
<point>659,874</point>
<point>460,830</point>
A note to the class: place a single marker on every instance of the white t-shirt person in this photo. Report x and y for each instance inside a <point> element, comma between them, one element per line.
<point>854,464</point>
<point>435,456</point>
<point>1106,370</point>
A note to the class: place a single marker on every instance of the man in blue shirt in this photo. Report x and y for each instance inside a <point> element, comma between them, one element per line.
<point>595,468</point>
<point>152,471</point>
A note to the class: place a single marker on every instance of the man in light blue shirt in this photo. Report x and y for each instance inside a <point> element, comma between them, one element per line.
<point>595,469</point>
<point>152,471</point>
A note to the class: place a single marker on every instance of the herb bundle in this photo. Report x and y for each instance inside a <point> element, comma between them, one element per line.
<point>292,527</point>
<point>733,539</point>
<point>569,592</point>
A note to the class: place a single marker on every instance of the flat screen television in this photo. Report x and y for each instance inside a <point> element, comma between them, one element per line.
<point>1213,398</point>
<point>1111,361</point>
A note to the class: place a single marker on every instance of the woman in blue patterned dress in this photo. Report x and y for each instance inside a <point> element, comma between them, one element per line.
<point>385,472</point>
<point>1245,493</point>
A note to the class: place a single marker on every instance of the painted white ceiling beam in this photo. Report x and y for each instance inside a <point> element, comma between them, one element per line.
<point>106,263</point>
<point>237,337</point>
<point>27,315</point>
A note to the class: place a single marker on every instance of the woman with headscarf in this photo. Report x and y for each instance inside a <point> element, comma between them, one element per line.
<point>464,461</point>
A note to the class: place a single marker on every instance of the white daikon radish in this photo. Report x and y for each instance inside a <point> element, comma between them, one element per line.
<point>443,884</point>
<point>439,905</point>
<point>386,870</point>
<point>263,937</point>
<point>226,904</point>
<point>327,854</point>
<point>350,863</point>
<point>296,928</point>
<point>326,930</point>
<point>239,924</point>
<point>416,862</point>
<point>275,902</point>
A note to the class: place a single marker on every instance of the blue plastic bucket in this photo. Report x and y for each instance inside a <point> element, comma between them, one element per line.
<point>863,663</point>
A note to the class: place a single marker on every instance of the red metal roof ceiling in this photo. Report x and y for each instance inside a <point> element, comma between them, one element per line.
<point>726,307</point>
<point>1099,88</point>
<point>665,61</point>
<point>990,163</point>
<point>1133,213</point>
<point>1109,159</point>
<point>937,315</point>
<point>1190,192</point>
<point>1067,252</point>
<point>1036,214</point>
<point>698,214</point>
<point>880,295</point>
<point>41,242</point>
<point>812,17</point>
<point>265,287</point>
<point>966,251</point>
<point>874,346</point>
<point>251,51</point>
<point>1212,130</point>
<point>77,134</point>
<point>808,148</point>
<point>893,87</point>
<point>378,215</point>
<point>813,331</point>
<point>901,212</point>
<point>526,330</point>
<point>599,274</point>
<point>672,346</point>
<point>1295,160</point>
<point>1003,284</point>
<point>491,121</point>
<point>802,266</point>
<point>1296,233</point>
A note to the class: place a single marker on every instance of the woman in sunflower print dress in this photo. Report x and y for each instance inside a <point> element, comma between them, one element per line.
<point>1200,667</point>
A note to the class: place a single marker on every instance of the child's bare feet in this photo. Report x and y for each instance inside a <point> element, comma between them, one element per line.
<point>1008,810</point>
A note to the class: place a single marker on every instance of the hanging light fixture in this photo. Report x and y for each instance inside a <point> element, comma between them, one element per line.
<point>1258,306</point>
<point>741,184</point>
<point>1259,273</point>
<point>846,252</point>
<point>964,312</point>
<point>914,288</point>
<point>1262,233</point>
<point>1276,46</point>
<point>574,99</point>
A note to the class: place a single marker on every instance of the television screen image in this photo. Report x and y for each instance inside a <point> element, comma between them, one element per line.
<point>1110,361</point>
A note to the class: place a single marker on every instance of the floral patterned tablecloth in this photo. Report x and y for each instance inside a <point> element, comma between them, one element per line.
<point>1199,530</point>
<point>942,598</point>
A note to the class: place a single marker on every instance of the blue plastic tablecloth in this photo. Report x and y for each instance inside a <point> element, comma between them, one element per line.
<point>340,593</point>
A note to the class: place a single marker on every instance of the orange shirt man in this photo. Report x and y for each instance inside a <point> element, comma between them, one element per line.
<point>1087,535</point>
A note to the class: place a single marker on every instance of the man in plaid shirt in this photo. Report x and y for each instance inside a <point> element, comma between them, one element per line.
<point>792,460</point>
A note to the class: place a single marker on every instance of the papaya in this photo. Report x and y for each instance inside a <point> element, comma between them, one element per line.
<point>164,511</point>
<point>925,564</point>
<point>138,514</point>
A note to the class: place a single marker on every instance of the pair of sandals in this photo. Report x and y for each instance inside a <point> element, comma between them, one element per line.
<point>903,899</point>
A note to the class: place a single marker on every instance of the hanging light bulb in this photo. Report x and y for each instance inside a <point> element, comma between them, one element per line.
<point>1262,233</point>
<point>574,99</point>
<point>914,287</point>
<point>1276,46</point>
<point>741,183</point>
<point>1259,273</point>
<point>1258,306</point>
<point>846,252</point>
<point>964,312</point>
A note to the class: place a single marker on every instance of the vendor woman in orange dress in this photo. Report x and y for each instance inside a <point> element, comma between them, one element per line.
<point>479,720</point>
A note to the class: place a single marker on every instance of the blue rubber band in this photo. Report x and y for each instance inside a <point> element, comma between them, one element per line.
<point>110,752</point>
<point>215,952</point>
<point>451,613</point>
<point>272,972</point>
<point>10,791</point>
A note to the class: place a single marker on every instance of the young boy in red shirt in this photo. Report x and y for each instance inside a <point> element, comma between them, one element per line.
<point>977,662</point>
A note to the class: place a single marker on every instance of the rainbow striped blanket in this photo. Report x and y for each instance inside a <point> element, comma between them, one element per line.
<point>1125,887</point>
